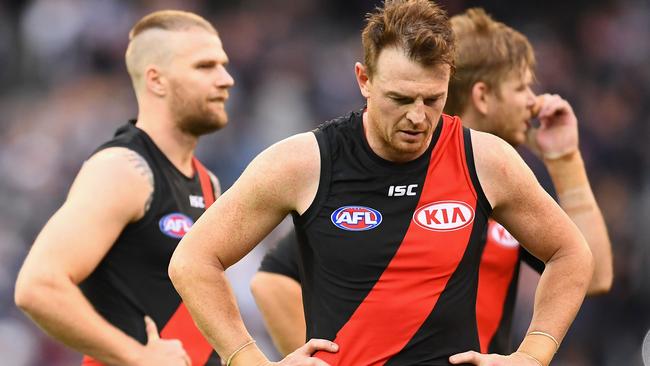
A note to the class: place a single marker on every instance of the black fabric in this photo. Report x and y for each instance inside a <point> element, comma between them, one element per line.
<point>131,280</point>
<point>532,261</point>
<point>341,267</point>
<point>283,258</point>
<point>356,176</point>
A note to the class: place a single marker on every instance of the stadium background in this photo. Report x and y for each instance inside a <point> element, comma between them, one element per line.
<point>65,89</point>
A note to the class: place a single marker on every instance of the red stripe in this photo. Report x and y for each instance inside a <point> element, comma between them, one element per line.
<point>410,287</point>
<point>181,325</point>
<point>495,275</point>
<point>206,183</point>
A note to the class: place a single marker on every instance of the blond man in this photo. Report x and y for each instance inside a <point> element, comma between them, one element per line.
<point>96,276</point>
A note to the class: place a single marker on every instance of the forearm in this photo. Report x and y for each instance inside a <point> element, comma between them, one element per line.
<point>279,299</point>
<point>209,298</point>
<point>559,294</point>
<point>62,311</point>
<point>577,200</point>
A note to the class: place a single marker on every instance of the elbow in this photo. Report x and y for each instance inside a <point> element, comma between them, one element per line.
<point>30,293</point>
<point>597,288</point>
<point>24,297</point>
<point>588,265</point>
<point>175,270</point>
<point>257,285</point>
<point>601,282</point>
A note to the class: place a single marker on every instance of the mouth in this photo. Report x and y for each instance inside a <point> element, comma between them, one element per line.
<point>410,136</point>
<point>221,99</point>
<point>411,133</point>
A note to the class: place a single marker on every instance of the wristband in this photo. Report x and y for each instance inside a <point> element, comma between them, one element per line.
<point>539,345</point>
<point>235,352</point>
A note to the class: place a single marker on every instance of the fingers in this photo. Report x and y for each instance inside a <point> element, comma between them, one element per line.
<point>539,103</point>
<point>317,345</point>
<point>550,104</point>
<point>466,357</point>
<point>151,329</point>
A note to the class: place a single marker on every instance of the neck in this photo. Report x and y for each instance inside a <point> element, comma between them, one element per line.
<point>471,119</point>
<point>177,145</point>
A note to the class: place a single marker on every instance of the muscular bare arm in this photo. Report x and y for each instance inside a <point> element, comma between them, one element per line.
<point>113,188</point>
<point>533,217</point>
<point>281,179</point>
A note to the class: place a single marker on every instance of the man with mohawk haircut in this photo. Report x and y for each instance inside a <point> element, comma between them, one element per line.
<point>96,277</point>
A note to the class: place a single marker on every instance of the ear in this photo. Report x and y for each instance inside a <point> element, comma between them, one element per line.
<point>479,97</point>
<point>361,72</point>
<point>155,81</point>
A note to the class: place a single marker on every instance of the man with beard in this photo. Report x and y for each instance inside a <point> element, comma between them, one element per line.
<point>490,91</point>
<point>96,276</point>
<point>390,204</point>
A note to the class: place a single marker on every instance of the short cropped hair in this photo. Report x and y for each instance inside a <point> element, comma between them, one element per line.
<point>420,27</point>
<point>143,48</point>
<point>171,20</point>
<point>487,51</point>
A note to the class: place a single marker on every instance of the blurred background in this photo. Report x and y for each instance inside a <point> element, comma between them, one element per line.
<point>65,89</point>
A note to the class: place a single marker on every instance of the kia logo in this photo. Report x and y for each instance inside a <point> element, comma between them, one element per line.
<point>444,215</point>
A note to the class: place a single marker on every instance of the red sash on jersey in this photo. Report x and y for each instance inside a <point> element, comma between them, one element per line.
<point>180,325</point>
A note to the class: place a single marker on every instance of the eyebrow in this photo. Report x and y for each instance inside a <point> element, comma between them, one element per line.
<point>211,61</point>
<point>394,94</point>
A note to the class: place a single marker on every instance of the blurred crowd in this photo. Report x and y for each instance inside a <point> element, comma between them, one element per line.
<point>65,89</point>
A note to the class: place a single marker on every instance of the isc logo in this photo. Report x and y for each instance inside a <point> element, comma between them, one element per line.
<point>356,218</point>
<point>500,235</point>
<point>398,191</point>
<point>444,215</point>
<point>175,225</point>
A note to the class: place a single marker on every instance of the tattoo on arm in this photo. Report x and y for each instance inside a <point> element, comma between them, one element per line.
<point>143,168</point>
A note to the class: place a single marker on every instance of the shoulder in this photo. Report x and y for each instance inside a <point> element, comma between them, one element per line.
<point>288,170</point>
<point>120,164</point>
<point>116,176</point>
<point>500,169</point>
<point>294,154</point>
<point>492,152</point>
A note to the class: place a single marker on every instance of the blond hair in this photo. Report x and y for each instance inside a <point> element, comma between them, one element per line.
<point>147,43</point>
<point>420,27</point>
<point>487,51</point>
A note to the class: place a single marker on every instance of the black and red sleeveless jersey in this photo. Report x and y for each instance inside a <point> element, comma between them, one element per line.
<point>497,282</point>
<point>391,251</point>
<point>131,281</point>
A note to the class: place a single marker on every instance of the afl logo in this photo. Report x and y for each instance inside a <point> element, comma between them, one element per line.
<point>356,218</point>
<point>175,225</point>
<point>444,216</point>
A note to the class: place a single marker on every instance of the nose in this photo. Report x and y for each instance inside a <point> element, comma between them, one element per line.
<point>224,80</point>
<point>416,114</point>
<point>531,99</point>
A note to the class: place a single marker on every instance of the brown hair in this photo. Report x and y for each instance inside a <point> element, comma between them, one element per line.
<point>487,51</point>
<point>171,20</point>
<point>420,27</point>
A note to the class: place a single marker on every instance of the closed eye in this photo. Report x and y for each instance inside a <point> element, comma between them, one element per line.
<point>430,101</point>
<point>206,65</point>
<point>402,100</point>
